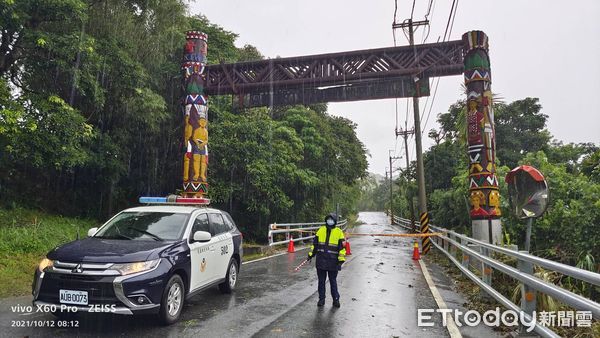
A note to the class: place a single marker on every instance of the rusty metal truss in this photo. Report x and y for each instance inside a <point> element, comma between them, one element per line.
<point>347,76</point>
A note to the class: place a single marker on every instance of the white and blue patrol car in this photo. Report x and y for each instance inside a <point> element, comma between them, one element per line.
<point>144,259</point>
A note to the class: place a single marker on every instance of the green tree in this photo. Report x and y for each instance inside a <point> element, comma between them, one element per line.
<point>279,170</point>
<point>372,193</point>
<point>571,154</point>
<point>27,26</point>
<point>249,53</point>
<point>441,162</point>
<point>590,166</point>
<point>520,129</point>
<point>452,122</point>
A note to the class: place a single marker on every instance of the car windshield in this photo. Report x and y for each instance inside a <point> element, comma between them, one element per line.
<point>158,226</point>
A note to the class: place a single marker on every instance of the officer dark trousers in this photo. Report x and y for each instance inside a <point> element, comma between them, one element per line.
<point>322,274</point>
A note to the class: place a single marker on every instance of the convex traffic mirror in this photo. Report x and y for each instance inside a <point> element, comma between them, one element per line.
<point>527,191</point>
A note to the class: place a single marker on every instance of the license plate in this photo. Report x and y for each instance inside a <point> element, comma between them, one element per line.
<point>73,297</point>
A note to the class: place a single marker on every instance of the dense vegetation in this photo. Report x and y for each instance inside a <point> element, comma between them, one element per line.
<point>90,119</point>
<point>26,236</point>
<point>570,229</point>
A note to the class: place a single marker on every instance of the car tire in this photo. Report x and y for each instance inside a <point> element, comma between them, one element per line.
<point>230,278</point>
<point>172,301</point>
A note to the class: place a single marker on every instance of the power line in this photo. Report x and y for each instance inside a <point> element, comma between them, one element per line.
<point>425,36</point>
<point>453,11</point>
<point>430,10</point>
<point>396,145</point>
<point>452,24</point>
<point>449,18</point>
<point>426,102</point>
<point>411,150</point>
<point>432,101</point>
<point>396,113</point>
<point>406,116</point>
<point>394,36</point>
<point>404,30</point>
<point>394,22</point>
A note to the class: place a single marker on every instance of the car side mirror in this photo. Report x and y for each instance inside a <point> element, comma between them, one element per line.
<point>92,231</point>
<point>202,236</point>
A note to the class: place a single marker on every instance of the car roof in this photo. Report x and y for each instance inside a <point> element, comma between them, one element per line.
<point>182,209</point>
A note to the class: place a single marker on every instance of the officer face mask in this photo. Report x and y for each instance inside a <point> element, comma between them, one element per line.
<point>330,223</point>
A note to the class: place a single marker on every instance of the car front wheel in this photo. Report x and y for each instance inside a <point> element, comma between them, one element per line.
<point>230,278</point>
<point>172,301</point>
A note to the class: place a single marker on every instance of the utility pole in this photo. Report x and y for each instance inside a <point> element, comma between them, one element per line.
<point>424,217</point>
<point>390,181</point>
<point>404,133</point>
<point>392,186</point>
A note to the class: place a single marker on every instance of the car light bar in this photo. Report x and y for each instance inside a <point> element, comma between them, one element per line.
<point>175,200</point>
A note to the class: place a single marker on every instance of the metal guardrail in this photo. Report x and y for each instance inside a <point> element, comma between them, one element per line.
<point>306,231</point>
<point>404,223</point>
<point>448,243</point>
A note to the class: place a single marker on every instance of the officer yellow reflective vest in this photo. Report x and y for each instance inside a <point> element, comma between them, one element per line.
<point>328,246</point>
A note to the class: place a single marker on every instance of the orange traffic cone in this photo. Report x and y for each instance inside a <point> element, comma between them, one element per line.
<point>348,252</point>
<point>291,245</point>
<point>416,255</point>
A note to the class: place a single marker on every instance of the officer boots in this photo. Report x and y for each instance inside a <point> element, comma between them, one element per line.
<point>336,303</point>
<point>321,302</point>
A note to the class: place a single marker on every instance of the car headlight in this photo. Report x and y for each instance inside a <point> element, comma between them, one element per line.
<point>45,263</point>
<point>129,268</point>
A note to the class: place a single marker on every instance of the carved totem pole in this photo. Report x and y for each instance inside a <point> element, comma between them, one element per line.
<point>195,112</point>
<point>484,194</point>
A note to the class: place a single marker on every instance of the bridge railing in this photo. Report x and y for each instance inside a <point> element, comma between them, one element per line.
<point>282,233</point>
<point>451,241</point>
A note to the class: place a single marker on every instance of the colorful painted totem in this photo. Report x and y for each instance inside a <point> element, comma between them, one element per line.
<point>195,114</point>
<point>483,184</point>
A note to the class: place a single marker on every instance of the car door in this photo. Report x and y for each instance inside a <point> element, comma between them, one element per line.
<point>202,255</point>
<point>223,243</point>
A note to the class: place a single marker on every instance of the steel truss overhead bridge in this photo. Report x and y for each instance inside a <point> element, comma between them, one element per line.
<point>348,76</point>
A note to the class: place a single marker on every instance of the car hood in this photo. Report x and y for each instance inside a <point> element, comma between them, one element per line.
<point>100,250</point>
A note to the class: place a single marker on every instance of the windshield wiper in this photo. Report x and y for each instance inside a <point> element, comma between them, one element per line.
<point>148,233</point>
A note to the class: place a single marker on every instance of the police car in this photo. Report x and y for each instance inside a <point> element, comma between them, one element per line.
<point>147,259</point>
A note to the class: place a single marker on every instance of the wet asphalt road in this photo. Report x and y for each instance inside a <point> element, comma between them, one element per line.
<point>380,286</point>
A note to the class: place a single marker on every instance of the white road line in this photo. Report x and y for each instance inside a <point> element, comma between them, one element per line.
<point>452,328</point>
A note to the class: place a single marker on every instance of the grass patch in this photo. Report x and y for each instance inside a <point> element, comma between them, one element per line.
<point>25,238</point>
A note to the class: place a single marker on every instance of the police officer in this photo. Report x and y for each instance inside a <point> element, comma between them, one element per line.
<point>328,246</point>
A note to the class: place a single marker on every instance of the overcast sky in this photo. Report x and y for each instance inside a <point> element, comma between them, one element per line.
<point>545,48</point>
